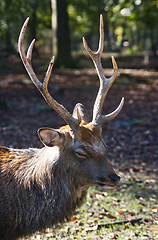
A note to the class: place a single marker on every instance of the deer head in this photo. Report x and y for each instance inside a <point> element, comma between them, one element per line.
<point>80,139</point>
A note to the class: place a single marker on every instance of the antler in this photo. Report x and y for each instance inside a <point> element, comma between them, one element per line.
<point>43,87</point>
<point>105,83</point>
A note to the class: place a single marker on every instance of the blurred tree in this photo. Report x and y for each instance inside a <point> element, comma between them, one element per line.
<point>125,21</point>
<point>6,24</point>
<point>86,13</point>
<point>146,12</point>
<point>13,13</point>
<point>9,44</point>
<point>144,18</point>
<point>64,58</point>
<point>84,20</point>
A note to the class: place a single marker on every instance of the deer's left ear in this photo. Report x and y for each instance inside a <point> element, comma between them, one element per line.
<point>50,137</point>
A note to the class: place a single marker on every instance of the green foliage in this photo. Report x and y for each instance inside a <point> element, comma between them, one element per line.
<point>13,13</point>
<point>132,21</point>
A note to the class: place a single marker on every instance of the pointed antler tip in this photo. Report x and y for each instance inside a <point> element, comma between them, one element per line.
<point>101,21</point>
<point>22,32</point>
<point>52,60</point>
<point>114,63</point>
<point>85,43</point>
<point>29,51</point>
<point>33,42</point>
<point>121,103</point>
<point>26,21</point>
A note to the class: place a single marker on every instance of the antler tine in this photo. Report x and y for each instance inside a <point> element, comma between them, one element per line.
<point>101,43</point>
<point>105,83</point>
<point>43,87</point>
<point>108,117</point>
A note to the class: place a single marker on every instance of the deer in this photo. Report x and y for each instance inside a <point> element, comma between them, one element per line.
<point>41,188</point>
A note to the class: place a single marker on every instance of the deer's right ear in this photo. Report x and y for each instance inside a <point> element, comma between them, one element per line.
<point>50,137</point>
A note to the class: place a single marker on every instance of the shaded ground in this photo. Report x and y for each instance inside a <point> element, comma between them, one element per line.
<point>132,137</point>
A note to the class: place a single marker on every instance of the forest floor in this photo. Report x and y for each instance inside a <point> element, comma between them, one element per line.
<point>132,138</point>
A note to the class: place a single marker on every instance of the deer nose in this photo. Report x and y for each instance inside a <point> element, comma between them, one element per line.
<point>114,178</point>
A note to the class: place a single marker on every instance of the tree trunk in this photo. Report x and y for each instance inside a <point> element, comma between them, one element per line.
<point>9,45</point>
<point>153,41</point>
<point>64,58</point>
<point>107,34</point>
<point>33,23</point>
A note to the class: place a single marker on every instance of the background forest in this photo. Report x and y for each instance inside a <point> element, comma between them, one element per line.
<point>130,26</point>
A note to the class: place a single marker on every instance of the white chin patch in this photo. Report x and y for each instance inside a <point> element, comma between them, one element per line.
<point>107,187</point>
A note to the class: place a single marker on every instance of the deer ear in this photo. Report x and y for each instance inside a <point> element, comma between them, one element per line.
<point>49,136</point>
<point>80,113</point>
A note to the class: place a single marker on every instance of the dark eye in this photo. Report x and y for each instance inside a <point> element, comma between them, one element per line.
<point>81,154</point>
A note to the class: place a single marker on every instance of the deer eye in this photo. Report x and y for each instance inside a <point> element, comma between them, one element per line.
<point>81,154</point>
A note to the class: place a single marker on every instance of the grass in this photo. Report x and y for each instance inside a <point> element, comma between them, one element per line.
<point>136,198</point>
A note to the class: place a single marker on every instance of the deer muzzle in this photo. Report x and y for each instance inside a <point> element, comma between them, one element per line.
<point>111,181</point>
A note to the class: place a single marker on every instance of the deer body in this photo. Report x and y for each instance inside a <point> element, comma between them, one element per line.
<point>41,188</point>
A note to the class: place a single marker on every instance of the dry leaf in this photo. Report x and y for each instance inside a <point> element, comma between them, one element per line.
<point>135,169</point>
<point>111,216</point>
<point>74,219</point>
<point>154,209</point>
<point>120,212</point>
<point>103,214</point>
<point>113,205</point>
<point>127,224</point>
<point>131,213</point>
<point>143,204</point>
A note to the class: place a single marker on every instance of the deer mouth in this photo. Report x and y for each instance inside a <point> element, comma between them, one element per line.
<point>106,185</point>
<point>111,182</point>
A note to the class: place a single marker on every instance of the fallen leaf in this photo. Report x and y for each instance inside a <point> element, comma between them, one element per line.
<point>120,212</point>
<point>135,169</point>
<point>131,213</point>
<point>103,214</point>
<point>74,219</point>
<point>143,204</point>
<point>111,216</point>
<point>113,205</point>
<point>127,224</point>
<point>154,209</point>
